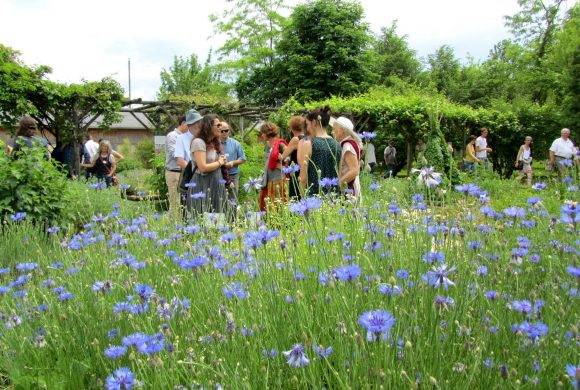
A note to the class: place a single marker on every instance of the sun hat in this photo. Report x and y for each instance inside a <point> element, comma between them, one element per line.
<point>192,116</point>
<point>343,122</point>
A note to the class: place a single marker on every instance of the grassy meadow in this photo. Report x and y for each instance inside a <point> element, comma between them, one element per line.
<point>477,289</point>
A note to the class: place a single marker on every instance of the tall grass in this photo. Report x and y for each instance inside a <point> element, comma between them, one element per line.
<point>291,290</point>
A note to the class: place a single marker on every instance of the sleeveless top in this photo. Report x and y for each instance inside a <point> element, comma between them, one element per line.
<point>294,154</point>
<point>103,165</point>
<point>323,164</point>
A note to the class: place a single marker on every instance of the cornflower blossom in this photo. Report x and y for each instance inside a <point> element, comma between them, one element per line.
<point>534,331</point>
<point>103,287</point>
<point>115,351</point>
<point>347,272</point>
<point>374,187</point>
<point>253,184</point>
<point>26,267</point>
<point>122,378</point>
<point>444,302</point>
<point>235,290</point>
<point>18,216</point>
<point>368,135</point>
<point>493,295</point>
<point>378,323</point>
<point>534,201</point>
<point>574,374</point>
<point>514,212</point>
<point>296,356</point>
<point>322,352</point>
<point>328,182</point>
<point>539,186</point>
<point>437,277</point>
<point>566,162</point>
<point>53,230</point>
<point>431,257</point>
<point>303,206</point>
<point>428,177</point>
<point>570,213</point>
<point>574,271</point>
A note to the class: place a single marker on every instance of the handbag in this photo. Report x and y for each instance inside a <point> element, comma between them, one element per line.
<point>185,177</point>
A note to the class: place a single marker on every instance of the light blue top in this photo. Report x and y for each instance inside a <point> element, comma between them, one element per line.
<point>233,151</point>
<point>182,146</point>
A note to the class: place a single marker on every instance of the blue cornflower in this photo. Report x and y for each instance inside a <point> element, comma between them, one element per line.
<point>402,274</point>
<point>4,270</point>
<point>20,281</point>
<point>444,302</point>
<point>18,216</point>
<point>438,276</point>
<point>368,135</point>
<point>323,353</point>
<point>328,182</point>
<point>534,331</point>
<point>347,272</point>
<point>514,212</point>
<point>534,201</point>
<point>374,187</point>
<point>574,271</point>
<point>574,374</point>
<point>145,292</point>
<point>25,267</point>
<point>115,351</point>
<point>481,270</point>
<point>539,186</point>
<point>53,230</point>
<point>302,207</point>
<point>378,323</point>
<point>198,195</point>
<point>430,257</point>
<point>493,295</point>
<point>65,296</point>
<point>4,290</point>
<point>235,289</point>
<point>122,378</point>
<point>297,356</point>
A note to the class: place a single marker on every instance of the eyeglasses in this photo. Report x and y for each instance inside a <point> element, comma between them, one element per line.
<point>225,131</point>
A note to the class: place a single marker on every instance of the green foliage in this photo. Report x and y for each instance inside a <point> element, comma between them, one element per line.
<point>145,152</point>
<point>444,69</point>
<point>187,77</point>
<point>393,57</point>
<point>33,185</point>
<point>252,29</point>
<point>324,50</point>
<point>131,161</point>
<point>156,180</point>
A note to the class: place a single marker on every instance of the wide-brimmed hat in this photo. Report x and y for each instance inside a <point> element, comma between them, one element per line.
<point>343,122</point>
<point>192,116</point>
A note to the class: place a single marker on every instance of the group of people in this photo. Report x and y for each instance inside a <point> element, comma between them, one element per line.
<point>561,150</point>
<point>99,158</point>
<point>312,163</point>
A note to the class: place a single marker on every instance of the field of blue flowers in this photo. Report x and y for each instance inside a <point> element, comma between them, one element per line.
<point>478,289</point>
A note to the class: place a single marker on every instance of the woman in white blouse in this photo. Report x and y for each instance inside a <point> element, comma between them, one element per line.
<point>351,144</point>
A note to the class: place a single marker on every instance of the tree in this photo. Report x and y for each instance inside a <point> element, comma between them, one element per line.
<point>187,77</point>
<point>324,51</point>
<point>252,29</point>
<point>444,69</point>
<point>393,57</point>
<point>64,110</point>
<point>535,24</point>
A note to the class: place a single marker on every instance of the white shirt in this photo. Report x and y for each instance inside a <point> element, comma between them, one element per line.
<point>370,154</point>
<point>92,148</point>
<point>563,148</point>
<point>481,143</point>
<point>170,140</point>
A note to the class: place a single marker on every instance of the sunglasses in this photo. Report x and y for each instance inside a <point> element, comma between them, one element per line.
<point>225,131</point>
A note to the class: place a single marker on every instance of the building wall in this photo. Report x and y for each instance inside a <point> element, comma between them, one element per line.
<point>115,136</point>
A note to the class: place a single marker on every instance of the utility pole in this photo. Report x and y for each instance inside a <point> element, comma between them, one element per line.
<point>129,66</point>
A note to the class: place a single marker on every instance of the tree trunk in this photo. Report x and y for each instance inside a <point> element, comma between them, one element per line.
<point>410,150</point>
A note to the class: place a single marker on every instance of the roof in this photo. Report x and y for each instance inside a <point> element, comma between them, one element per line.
<point>127,122</point>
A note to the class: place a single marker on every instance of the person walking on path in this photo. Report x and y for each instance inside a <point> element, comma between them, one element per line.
<point>562,153</point>
<point>481,148</point>
<point>524,160</point>
<point>370,155</point>
<point>390,156</point>
<point>470,159</point>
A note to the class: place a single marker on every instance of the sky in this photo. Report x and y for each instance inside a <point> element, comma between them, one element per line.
<point>89,40</point>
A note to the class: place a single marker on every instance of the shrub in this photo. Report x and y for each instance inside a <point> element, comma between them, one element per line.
<point>33,185</point>
<point>156,181</point>
<point>145,152</point>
